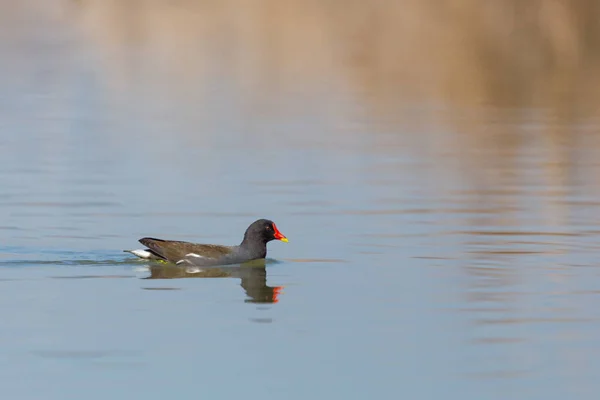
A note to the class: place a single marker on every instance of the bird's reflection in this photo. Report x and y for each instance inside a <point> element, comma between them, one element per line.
<point>253,277</point>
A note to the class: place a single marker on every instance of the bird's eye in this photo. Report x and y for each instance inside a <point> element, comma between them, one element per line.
<point>268,227</point>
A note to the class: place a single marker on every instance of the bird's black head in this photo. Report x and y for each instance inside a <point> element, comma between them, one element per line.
<point>263,230</point>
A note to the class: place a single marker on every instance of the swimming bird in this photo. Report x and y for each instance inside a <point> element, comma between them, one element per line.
<point>252,247</point>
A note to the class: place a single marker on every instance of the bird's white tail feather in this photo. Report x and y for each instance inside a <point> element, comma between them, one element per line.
<point>142,253</point>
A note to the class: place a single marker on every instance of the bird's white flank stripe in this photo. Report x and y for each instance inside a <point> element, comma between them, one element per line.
<point>193,255</point>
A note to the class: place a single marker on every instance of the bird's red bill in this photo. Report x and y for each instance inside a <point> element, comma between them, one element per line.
<point>278,235</point>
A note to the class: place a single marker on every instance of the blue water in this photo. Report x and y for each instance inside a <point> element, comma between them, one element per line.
<point>438,248</point>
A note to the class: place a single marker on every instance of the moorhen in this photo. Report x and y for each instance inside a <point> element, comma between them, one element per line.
<point>254,246</point>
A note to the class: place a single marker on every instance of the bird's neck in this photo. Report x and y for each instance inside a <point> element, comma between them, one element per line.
<point>255,248</point>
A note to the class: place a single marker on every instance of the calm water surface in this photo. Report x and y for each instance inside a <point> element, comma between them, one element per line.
<point>443,224</point>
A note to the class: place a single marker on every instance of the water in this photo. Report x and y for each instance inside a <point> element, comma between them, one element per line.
<point>441,205</point>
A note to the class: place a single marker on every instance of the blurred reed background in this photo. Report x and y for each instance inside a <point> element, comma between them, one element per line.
<point>401,62</point>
